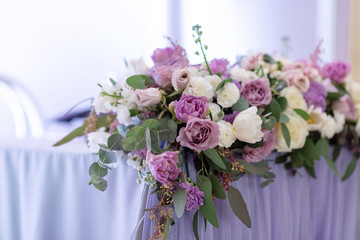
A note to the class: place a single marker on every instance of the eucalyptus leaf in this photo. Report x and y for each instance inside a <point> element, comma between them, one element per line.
<point>238,206</point>
<point>217,187</point>
<point>96,170</point>
<point>332,166</point>
<point>265,183</point>
<point>139,81</point>
<point>283,103</point>
<point>196,225</point>
<point>209,213</point>
<point>107,157</point>
<point>208,209</point>
<point>302,113</point>
<point>336,152</point>
<point>241,105</point>
<point>258,170</point>
<point>350,168</point>
<point>310,170</point>
<point>286,134</point>
<point>214,156</point>
<point>135,139</point>
<point>167,228</point>
<point>323,147</point>
<point>309,151</point>
<point>80,131</point>
<point>114,142</point>
<point>179,202</point>
<point>284,119</point>
<point>274,108</point>
<point>101,185</point>
<point>297,159</point>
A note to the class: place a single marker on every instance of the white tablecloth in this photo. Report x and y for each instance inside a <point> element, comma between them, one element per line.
<point>44,195</point>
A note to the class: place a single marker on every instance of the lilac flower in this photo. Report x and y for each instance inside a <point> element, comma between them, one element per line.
<point>164,166</point>
<point>316,95</point>
<point>199,134</point>
<point>336,71</point>
<point>218,66</point>
<point>190,106</point>
<point>194,197</point>
<point>345,105</point>
<point>258,154</point>
<point>257,92</point>
<point>231,117</point>
<point>237,84</point>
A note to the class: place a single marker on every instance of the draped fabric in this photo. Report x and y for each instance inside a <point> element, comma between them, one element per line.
<point>295,208</point>
<point>44,195</point>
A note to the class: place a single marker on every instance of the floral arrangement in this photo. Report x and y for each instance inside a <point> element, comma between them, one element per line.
<point>223,119</point>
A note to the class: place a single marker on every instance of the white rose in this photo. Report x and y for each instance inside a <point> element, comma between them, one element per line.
<point>96,138</point>
<point>357,106</point>
<point>199,86</point>
<point>294,98</point>
<point>146,97</point>
<point>241,74</point>
<point>103,103</point>
<point>216,112</point>
<point>247,125</point>
<point>357,128</point>
<point>354,89</point>
<point>214,80</point>
<point>339,120</point>
<point>227,135</point>
<point>317,118</point>
<point>228,95</point>
<point>298,132</point>
<point>328,128</point>
<point>136,67</point>
<point>123,115</point>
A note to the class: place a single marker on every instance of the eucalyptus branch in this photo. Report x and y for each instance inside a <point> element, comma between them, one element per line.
<point>196,28</point>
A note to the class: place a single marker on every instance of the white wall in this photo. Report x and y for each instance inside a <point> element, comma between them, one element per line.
<point>59,50</point>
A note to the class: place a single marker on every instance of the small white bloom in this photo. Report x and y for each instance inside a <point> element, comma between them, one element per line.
<point>96,138</point>
<point>340,121</point>
<point>227,135</point>
<point>357,128</point>
<point>317,118</point>
<point>294,98</point>
<point>135,161</point>
<point>214,80</point>
<point>199,86</point>
<point>216,112</point>
<point>228,95</point>
<point>103,103</point>
<point>247,126</point>
<point>241,74</point>
<point>357,107</point>
<point>123,115</point>
<point>136,67</point>
<point>328,128</point>
<point>354,89</point>
<point>277,75</point>
<point>298,132</point>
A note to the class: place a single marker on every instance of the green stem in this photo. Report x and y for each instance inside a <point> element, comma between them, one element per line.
<point>186,164</point>
<point>206,62</point>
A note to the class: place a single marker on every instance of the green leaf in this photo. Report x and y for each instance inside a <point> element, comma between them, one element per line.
<point>114,142</point>
<point>258,170</point>
<point>286,134</point>
<point>309,151</point>
<point>102,185</point>
<point>217,187</point>
<point>284,119</point>
<point>332,166</point>
<point>167,130</point>
<point>105,121</point>
<point>241,105</point>
<point>76,133</point>
<point>204,184</point>
<point>323,147</point>
<point>274,108</point>
<point>214,156</point>
<point>208,209</point>
<point>280,86</point>
<point>268,59</point>
<point>265,183</point>
<point>311,171</point>
<point>196,225</point>
<point>350,168</point>
<point>167,228</point>
<point>334,95</point>
<point>139,81</point>
<point>96,170</point>
<point>283,103</point>
<point>302,113</point>
<point>222,83</point>
<point>209,213</point>
<point>148,139</point>
<point>175,93</point>
<point>238,206</point>
<point>336,152</point>
<point>179,202</point>
<point>297,159</point>
<point>113,82</point>
<point>281,159</point>
<point>107,157</point>
<point>135,139</point>
<point>270,123</point>
<point>257,144</point>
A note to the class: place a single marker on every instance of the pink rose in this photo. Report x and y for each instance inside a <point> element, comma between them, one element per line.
<point>259,153</point>
<point>180,79</point>
<point>346,106</point>
<point>257,92</point>
<point>296,77</point>
<point>199,134</point>
<point>336,71</point>
<point>146,97</point>
<point>164,166</point>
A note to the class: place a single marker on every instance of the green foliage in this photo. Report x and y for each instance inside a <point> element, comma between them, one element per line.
<point>268,59</point>
<point>214,156</point>
<point>139,81</point>
<point>114,142</point>
<point>302,113</point>
<point>241,105</point>
<point>208,209</point>
<point>222,83</point>
<point>97,173</point>
<point>274,108</point>
<point>323,147</point>
<point>254,169</point>
<point>284,119</point>
<point>135,139</point>
<point>167,228</point>
<point>238,206</point>
<point>80,131</point>
<point>217,188</point>
<point>283,103</point>
<point>196,225</point>
<point>334,95</point>
<point>179,202</point>
<point>350,168</point>
<point>332,166</point>
<point>286,134</point>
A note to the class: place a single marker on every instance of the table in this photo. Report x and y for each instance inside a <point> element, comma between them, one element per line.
<point>44,195</point>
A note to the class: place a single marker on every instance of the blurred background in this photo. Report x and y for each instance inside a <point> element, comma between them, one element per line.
<point>58,50</point>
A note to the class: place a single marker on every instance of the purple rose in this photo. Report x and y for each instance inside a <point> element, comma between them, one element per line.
<point>257,92</point>
<point>218,66</point>
<point>231,117</point>
<point>166,61</point>
<point>199,134</point>
<point>237,84</point>
<point>194,197</point>
<point>346,106</point>
<point>316,95</point>
<point>163,166</point>
<point>336,71</point>
<point>258,154</point>
<point>190,106</point>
